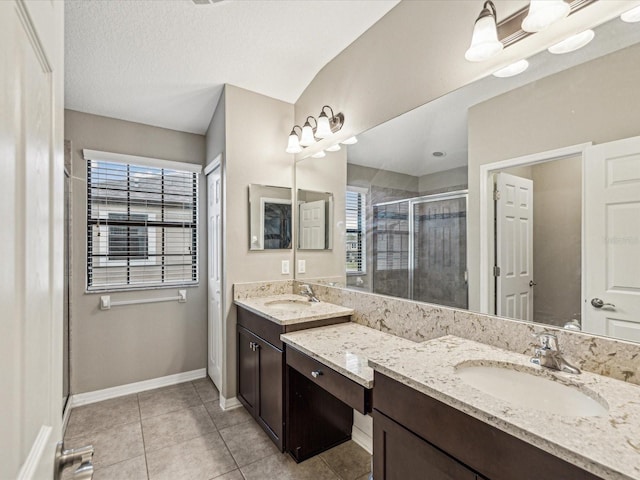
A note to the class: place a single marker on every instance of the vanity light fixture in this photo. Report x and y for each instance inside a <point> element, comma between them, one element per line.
<point>333,148</point>
<point>324,127</point>
<point>320,154</point>
<point>294,142</point>
<point>631,16</point>
<point>484,41</point>
<point>307,139</point>
<point>512,70</point>
<point>543,13</point>
<point>349,141</point>
<point>572,43</point>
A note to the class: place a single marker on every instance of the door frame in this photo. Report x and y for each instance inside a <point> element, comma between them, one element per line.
<point>487,213</point>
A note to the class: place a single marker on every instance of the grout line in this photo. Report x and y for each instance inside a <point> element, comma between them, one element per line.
<point>144,446</point>
<point>330,467</point>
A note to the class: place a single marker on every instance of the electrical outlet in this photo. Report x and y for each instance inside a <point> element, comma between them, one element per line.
<point>285,267</point>
<point>302,266</point>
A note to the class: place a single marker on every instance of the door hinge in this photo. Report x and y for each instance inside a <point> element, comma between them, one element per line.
<point>496,271</point>
<point>496,195</point>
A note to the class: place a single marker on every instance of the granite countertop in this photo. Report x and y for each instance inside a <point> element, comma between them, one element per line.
<point>346,348</point>
<point>607,446</point>
<point>289,309</point>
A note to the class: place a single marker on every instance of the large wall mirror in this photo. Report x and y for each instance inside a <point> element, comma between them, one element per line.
<point>513,196</point>
<point>270,215</point>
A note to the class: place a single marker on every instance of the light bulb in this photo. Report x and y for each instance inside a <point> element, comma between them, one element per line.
<point>333,148</point>
<point>307,139</point>
<point>631,16</point>
<point>350,141</point>
<point>294,143</point>
<point>484,41</point>
<point>320,154</point>
<point>323,130</point>
<point>512,70</point>
<point>572,43</point>
<point>543,13</point>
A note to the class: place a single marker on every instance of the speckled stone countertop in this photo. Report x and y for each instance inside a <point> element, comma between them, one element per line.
<point>289,309</point>
<point>346,348</point>
<point>607,446</point>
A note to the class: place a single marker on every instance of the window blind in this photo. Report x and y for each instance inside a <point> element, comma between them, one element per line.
<point>355,232</point>
<point>142,226</point>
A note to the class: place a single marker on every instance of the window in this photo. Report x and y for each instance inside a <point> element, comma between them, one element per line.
<point>356,231</point>
<point>142,226</point>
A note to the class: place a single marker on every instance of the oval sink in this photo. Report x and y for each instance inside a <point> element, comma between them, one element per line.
<point>289,305</point>
<point>531,391</point>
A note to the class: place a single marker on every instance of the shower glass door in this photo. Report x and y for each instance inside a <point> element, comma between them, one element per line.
<point>391,227</point>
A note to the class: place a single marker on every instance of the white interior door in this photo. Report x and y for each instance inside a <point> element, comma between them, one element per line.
<point>312,222</point>
<point>612,239</point>
<point>514,247</point>
<point>214,227</point>
<point>31,275</point>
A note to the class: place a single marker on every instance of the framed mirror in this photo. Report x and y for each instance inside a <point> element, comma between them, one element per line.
<point>426,224</point>
<point>270,217</point>
<point>314,220</point>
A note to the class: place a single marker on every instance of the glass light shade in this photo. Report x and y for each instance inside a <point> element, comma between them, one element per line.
<point>323,130</point>
<point>543,13</point>
<point>573,43</point>
<point>333,148</point>
<point>294,144</point>
<point>320,154</point>
<point>307,136</point>
<point>631,16</point>
<point>350,141</point>
<point>512,70</point>
<point>484,42</point>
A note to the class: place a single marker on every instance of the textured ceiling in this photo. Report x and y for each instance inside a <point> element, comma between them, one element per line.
<point>164,62</point>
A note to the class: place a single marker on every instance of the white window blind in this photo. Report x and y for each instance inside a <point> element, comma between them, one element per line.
<point>355,232</point>
<point>142,226</point>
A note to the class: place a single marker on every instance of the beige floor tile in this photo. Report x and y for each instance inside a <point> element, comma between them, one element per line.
<point>235,475</point>
<point>348,460</point>
<point>248,443</point>
<point>206,389</point>
<point>228,418</point>
<point>111,445</point>
<point>201,458</point>
<point>169,399</point>
<point>133,469</point>
<point>282,467</point>
<point>101,415</point>
<point>176,427</point>
<point>365,476</point>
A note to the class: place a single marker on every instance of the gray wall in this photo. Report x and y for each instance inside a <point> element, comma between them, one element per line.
<point>587,103</point>
<point>130,343</point>
<point>446,181</point>
<point>252,131</point>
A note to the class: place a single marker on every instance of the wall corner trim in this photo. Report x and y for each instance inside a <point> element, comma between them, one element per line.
<point>137,387</point>
<point>229,403</point>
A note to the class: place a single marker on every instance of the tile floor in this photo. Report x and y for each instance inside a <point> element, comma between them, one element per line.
<point>180,432</point>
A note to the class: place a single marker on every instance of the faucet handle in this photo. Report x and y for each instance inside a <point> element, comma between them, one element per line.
<point>548,341</point>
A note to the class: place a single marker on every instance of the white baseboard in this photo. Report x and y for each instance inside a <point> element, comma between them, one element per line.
<point>37,456</point>
<point>362,439</point>
<point>229,403</point>
<point>137,387</point>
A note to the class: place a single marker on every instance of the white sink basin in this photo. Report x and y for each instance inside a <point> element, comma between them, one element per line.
<point>531,391</point>
<point>289,305</point>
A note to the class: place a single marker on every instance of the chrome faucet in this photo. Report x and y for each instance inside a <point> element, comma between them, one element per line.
<point>548,354</point>
<point>308,292</point>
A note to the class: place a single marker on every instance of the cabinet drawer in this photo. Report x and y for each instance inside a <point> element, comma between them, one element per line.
<point>345,389</point>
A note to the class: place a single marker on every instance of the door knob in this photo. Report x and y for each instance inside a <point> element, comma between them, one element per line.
<point>83,455</point>
<point>598,303</point>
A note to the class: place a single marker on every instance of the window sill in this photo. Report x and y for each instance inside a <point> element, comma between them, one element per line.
<point>179,286</point>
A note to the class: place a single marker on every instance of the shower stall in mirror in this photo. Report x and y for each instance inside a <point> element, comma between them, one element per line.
<point>419,249</point>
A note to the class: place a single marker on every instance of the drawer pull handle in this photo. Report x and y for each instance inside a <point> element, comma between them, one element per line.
<point>316,373</point>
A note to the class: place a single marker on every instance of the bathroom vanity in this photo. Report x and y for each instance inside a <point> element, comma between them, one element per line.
<point>261,356</point>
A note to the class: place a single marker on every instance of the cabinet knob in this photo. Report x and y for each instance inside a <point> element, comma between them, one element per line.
<point>316,373</point>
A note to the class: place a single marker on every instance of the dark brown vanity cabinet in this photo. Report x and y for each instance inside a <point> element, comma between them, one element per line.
<point>418,437</point>
<point>261,367</point>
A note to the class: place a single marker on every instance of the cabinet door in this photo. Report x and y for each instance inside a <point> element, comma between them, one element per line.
<point>247,369</point>
<point>269,408</point>
<point>398,454</point>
